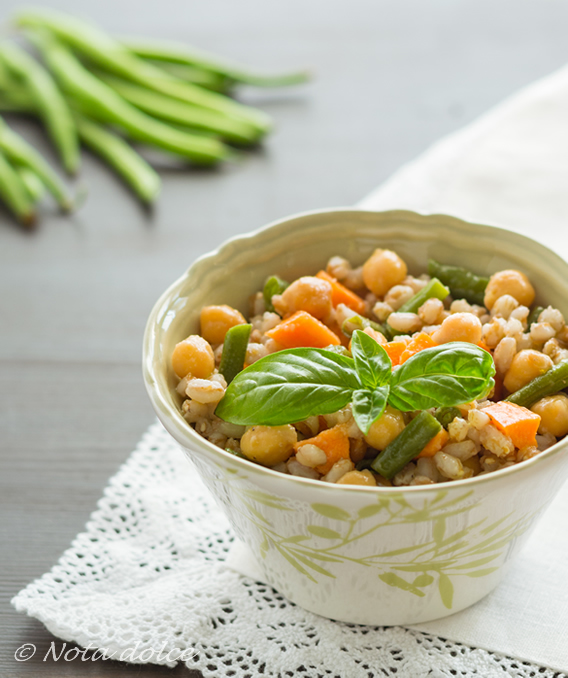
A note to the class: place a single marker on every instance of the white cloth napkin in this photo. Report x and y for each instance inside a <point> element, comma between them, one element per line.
<point>509,168</point>
<point>148,582</point>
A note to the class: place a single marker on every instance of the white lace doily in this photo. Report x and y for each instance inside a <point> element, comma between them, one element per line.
<point>146,582</point>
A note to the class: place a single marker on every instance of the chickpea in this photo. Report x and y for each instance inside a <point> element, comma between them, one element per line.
<point>216,321</point>
<point>269,445</point>
<point>553,412</point>
<point>365,478</point>
<point>309,294</point>
<point>459,327</point>
<point>526,366</point>
<point>509,282</point>
<point>193,356</point>
<point>385,429</point>
<point>382,270</point>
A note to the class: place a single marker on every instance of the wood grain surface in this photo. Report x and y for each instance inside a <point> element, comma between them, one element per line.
<point>390,79</point>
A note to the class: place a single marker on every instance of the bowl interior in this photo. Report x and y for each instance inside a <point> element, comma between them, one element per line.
<point>302,245</point>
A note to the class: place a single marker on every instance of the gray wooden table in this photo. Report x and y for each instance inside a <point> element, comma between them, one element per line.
<point>391,78</point>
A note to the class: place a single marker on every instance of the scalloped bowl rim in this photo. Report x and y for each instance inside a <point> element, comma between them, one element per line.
<point>186,435</point>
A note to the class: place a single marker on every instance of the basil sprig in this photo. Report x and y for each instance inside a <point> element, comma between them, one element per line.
<point>292,385</point>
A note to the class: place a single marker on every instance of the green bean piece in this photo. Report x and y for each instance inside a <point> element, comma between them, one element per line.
<point>234,351</point>
<point>104,103</point>
<point>100,48</point>
<point>445,415</point>
<point>177,53</point>
<point>556,379</point>
<point>533,316</point>
<point>52,107</point>
<point>433,289</point>
<point>14,194</point>
<point>34,185</point>
<point>363,464</point>
<point>407,445</point>
<point>463,284</point>
<point>359,322</point>
<point>179,112</point>
<point>22,153</point>
<point>273,285</point>
<point>137,173</point>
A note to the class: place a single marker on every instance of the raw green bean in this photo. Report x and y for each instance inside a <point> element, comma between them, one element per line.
<point>176,111</point>
<point>407,445</point>
<point>433,289</point>
<point>104,103</point>
<point>533,316</point>
<point>273,285</point>
<point>16,102</point>
<point>99,48</point>
<point>445,415</point>
<point>197,76</point>
<point>556,379</point>
<point>13,95</point>
<point>144,181</point>
<point>51,106</point>
<point>463,284</point>
<point>34,185</point>
<point>234,351</point>
<point>359,322</point>
<point>7,80</point>
<point>14,194</point>
<point>22,153</point>
<point>190,56</point>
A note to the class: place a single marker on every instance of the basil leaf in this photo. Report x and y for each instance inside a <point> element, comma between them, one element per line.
<point>289,386</point>
<point>371,360</point>
<point>442,376</point>
<point>368,406</point>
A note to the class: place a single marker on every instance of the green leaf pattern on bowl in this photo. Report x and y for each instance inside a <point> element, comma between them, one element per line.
<point>473,551</point>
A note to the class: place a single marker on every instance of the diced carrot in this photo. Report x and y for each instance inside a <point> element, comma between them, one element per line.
<point>519,423</point>
<point>394,350</point>
<point>302,329</point>
<point>343,295</point>
<point>399,352</point>
<point>419,343</point>
<point>333,441</point>
<point>484,346</point>
<point>436,444</point>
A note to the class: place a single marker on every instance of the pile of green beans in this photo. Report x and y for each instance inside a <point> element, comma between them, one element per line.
<point>23,176</point>
<point>89,88</point>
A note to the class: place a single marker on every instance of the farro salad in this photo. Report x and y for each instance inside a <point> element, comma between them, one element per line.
<point>372,376</point>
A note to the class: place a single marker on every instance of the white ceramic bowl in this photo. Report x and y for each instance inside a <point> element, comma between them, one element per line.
<point>366,555</point>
